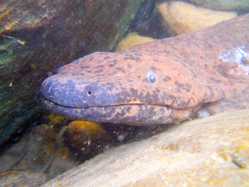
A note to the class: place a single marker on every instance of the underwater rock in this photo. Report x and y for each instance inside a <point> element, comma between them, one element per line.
<point>132,39</point>
<point>148,21</point>
<point>86,138</point>
<point>38,36</point>
<point>182,17</point>
<point>212,151</point>
<point>21,179</point>
<point>39,150</point>
<point>240,5</point>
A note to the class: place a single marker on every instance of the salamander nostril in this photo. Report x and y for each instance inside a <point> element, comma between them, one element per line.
<point>89,93</point>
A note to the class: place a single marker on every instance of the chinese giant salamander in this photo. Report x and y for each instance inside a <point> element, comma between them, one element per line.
<point>165,81</point>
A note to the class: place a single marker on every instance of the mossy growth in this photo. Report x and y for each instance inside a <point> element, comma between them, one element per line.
<point>9,48</point>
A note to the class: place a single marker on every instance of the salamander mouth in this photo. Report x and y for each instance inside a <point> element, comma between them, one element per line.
<point>50,102</point>
<point>130,113</point>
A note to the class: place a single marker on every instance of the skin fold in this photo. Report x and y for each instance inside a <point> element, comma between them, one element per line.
<point>162,82</point>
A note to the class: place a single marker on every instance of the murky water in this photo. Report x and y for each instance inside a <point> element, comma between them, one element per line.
<point>51,146</point>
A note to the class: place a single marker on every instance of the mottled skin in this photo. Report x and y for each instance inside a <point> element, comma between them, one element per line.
<point>161,82</point>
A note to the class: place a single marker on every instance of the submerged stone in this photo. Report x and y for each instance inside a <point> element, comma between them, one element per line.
<point>207,152</point>
<point>182,17</point>
<point>86,138</point>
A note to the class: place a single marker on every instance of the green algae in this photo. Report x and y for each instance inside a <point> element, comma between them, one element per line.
<point>7,54</point>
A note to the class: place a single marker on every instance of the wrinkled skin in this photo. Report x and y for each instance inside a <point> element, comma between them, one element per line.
<point>161,82</point>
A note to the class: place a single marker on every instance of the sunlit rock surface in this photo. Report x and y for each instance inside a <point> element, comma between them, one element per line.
<point>213,151</point>
<point>182,17</point>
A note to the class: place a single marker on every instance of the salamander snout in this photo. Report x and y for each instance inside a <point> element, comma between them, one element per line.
<point>75,92</point>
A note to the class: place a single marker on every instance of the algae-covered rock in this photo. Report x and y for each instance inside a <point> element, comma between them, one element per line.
<point>205,152</point>
<point>224,4</point>
<point>38,36</point>
<point>182,17</point>
<point>86,138</point>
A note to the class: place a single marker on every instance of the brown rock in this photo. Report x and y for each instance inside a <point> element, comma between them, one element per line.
<point>183,17</point>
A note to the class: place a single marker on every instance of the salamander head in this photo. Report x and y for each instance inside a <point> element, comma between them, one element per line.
<point>123,88</point>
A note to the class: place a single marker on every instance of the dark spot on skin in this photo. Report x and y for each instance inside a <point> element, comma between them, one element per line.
<point>91,59</point>
<point>201,57</point>
<point>155,60</point>
<point>222,69</point>
<point>88,71</point>
<point>166,78</point>
<point>129,66</point>
<point>133,91</point>
<point>100,66</point>
<point>113,63</point>
<point>214,79</point>
<point>183,87</point>
<point>153,68</point>
<point>84,67</point>
<point>98,70</point>
<point>147,96</point>
<point>120,69</point>
<point>170,98</point>
<point>182,103</point>
<point>106,57</point>
<point>130,80</point>
<point>132,56</point>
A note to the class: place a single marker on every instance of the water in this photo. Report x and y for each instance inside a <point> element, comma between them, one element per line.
<point>42,149</point>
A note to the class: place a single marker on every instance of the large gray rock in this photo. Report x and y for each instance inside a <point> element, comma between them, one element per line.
<point>206,152</point>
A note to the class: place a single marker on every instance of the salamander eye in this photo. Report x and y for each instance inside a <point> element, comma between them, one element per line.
<point>151,77</point>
